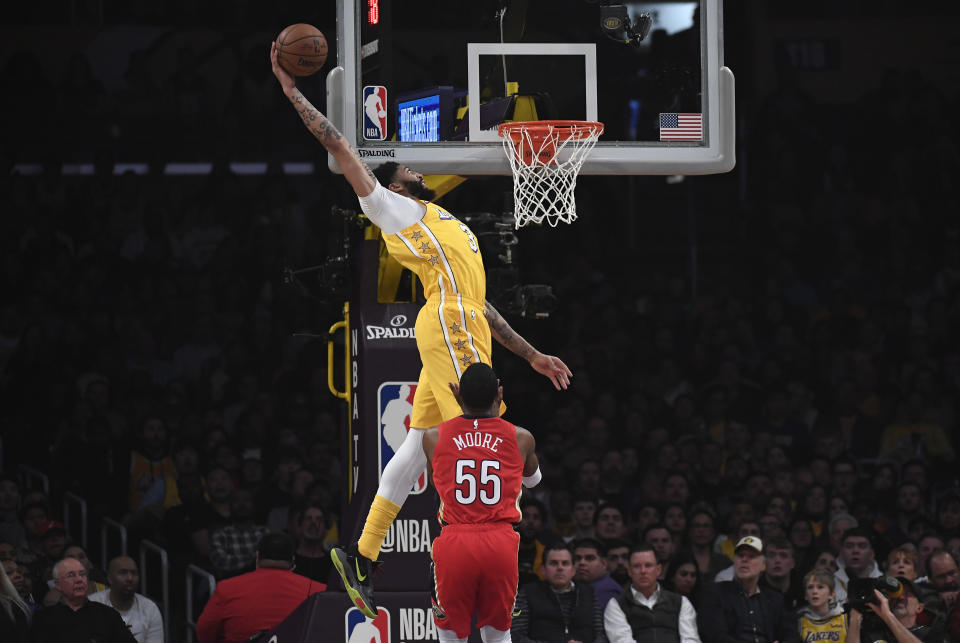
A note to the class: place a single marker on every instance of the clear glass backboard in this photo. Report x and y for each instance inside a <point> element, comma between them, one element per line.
<point>425,83</point>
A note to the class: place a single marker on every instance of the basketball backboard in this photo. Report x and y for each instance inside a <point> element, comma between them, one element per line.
<point>426,82</point>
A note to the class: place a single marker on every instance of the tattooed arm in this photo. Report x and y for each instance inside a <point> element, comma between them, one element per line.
<point>355,170</point>
<point>549,366</point>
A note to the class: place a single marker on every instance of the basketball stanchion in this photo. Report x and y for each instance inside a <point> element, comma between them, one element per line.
<point>545,158</point>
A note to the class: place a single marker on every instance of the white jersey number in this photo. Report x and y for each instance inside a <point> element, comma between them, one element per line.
<point>471,240</point>
<point>467,474</point>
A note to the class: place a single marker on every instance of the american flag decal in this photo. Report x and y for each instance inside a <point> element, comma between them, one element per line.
<point>681,127</point>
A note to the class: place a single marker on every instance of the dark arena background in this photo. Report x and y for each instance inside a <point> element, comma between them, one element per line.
<point>200,337</point>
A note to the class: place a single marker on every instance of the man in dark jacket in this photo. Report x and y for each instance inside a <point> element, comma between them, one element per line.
<point>739,611</point>
<point>557,610</point>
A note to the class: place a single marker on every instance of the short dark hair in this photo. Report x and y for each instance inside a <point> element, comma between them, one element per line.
<point>858,532</point>
<point>607,505</point>
<point>640,548</point>
<point>590,543</point>
<point>385,172</point>
<point>616,543</point>
<point>935,553</point>
<point>479,386</point>
<point>276,546</point>
<point>656,525</point>
<point>779,543</point>
<point>558,545</point>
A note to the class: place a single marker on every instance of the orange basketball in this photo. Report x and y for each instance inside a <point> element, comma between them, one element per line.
<point>301,49</point>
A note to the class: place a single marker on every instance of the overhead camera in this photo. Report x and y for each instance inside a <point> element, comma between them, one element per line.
<point>617,25</point>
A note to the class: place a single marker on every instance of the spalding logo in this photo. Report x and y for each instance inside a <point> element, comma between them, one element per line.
<point>398,320</point>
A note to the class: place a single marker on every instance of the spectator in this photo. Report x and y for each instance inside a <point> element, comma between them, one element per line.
<point>701,536</point>
<point>15,615</point>
<point>19,581</point>
<point>96,579</point>
<point>618,554</point>
<point>311,558</point>
<point>675,519</point>
<point>141,615</point>
<point>826,560</point>
<point>838,526</point>
<point>590,563</point>
<point>186,527</point>
<point>900,620</point>
<point>33,516</point>
<point>609,523</point>
<point>75,619</point>
<point>281,517</point>
<point>948,513</point>
<point>738,610</point>
<point>821,619</point>
<point>944,576</point>
<point>660,538</point>
<point>257,601</point>
<point>800,534</point>
<point>647,611</point>
<point>556,610</point>
<point>11,530</point>
<point>926,545</point>
<point>53,542</point>
<point>153,485</point>
<point>902,562</point>
<point>584,509</point>
<point>856,558</point>
<point>682,576</point>
<point>233,548</point>
<point>780,571</point>
<point>530,551</point>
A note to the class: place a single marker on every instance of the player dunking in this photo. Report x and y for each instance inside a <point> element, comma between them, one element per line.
<point>477,462</point>
<point>453,329</point>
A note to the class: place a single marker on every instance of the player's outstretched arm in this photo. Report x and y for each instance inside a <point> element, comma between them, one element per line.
<point>549,366</point>
<point>356,171</point>
<point>531,464</point>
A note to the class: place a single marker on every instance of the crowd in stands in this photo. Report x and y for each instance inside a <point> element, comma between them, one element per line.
<point>781,428</point>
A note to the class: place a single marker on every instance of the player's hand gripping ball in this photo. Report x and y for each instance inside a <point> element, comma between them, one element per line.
<point>301,49</point>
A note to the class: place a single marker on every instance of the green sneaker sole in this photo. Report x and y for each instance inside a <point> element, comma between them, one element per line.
<point>349,580</point>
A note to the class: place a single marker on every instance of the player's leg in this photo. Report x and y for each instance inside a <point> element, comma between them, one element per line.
<point>497,553</point>
<point>492,635</point>
<point>449,339</point>
<point>354,563</point>
<point>455,584</point>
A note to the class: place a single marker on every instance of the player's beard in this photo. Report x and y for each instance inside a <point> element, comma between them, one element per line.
<point>419,191</point>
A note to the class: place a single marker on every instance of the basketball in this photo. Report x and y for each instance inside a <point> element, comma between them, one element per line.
<point>301,49</point>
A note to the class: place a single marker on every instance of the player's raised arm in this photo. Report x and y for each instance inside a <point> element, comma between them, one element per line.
<point>549,366</point>
<point>356,171</point>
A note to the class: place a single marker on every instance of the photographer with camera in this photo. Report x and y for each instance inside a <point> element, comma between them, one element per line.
<point>888,608</point>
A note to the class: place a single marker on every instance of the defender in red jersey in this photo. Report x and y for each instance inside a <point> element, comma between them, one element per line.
<point>478,463</point>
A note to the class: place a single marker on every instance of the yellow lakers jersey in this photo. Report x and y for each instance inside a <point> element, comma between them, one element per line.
<point>832,628</point>
<point>443,253</point>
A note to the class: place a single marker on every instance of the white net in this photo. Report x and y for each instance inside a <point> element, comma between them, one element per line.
<point>546,158</point>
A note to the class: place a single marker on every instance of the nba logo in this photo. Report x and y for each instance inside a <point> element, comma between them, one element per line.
<point>375,113</point>
<point>361,629</point>
<point>395,401</point>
